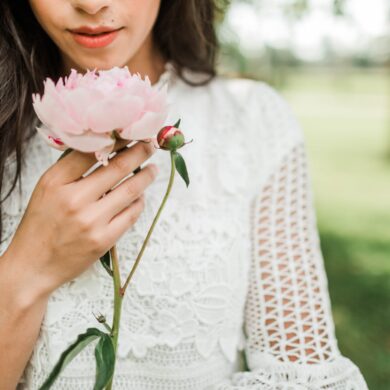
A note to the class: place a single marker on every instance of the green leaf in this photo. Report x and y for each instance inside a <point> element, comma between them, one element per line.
<point>82,341</point>
<point>177,124</point>
<point>181,167</point>
<point>67,151</point>
<point>105,361</point>
<point>106,262</point>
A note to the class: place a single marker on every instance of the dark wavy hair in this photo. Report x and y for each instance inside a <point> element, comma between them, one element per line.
<point>184,33</point>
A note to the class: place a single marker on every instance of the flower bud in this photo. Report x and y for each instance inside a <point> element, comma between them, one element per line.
<point>170,138</point>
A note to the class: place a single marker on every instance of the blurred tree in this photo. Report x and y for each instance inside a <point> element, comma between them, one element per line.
<point>222,6</point>
<point>339,7</point>
<point>388,71</point>
<point>296,9</point>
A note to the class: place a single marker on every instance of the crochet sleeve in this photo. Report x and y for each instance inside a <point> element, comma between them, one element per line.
<point>290,337</point>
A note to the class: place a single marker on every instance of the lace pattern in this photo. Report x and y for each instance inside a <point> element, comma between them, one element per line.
<point>290,333</point>
<point>290,339</point>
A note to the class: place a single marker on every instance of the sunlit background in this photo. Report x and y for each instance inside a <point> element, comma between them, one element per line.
<point>331,60</point>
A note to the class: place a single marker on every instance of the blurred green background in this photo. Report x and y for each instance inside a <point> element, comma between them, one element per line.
<point>331,60</point>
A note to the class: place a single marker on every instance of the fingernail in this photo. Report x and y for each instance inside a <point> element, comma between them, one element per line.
<point>156,169</point>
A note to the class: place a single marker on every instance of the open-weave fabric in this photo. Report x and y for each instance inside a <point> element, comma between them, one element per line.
<point>291,342</point>
<point>234,265</point>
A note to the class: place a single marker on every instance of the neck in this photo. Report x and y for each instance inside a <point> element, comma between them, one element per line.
<point>147,61</point>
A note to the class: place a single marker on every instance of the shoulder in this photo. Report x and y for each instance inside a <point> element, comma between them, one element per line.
<point>264,108</point>
<point>256,95</point>
<point>260,111</point>
<point>265,117</point>
<point>236,89</point>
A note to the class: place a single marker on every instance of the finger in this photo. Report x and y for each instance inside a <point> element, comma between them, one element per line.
<point>126,192</point>
<point>121,165</point>
<point>125,219</point>
<point>75,164</point>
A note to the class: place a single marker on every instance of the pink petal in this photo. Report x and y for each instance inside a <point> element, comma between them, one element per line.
<point>76,103</point>
<point>88,142</point>
<point>114,113</point>
<point>102,155</point>
<point>147,127</point>
<point>52,112</point>
<point>158,102</point>
<point>49,137</point>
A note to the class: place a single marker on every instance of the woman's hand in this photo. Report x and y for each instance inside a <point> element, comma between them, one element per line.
<point>68,223</point>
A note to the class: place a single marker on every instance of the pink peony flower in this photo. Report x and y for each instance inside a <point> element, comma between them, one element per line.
<point>82,111</point>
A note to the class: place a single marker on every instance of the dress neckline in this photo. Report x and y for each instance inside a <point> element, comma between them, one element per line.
<point>166,76</point>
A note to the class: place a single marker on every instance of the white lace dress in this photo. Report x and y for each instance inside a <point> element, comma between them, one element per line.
<point>233,267</point>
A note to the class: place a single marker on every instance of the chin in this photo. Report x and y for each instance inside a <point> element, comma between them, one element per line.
<point>100,63</point>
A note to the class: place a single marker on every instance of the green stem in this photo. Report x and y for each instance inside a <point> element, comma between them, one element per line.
<point>120,291</point>
<point>123,289</point>
<point>118,298</point>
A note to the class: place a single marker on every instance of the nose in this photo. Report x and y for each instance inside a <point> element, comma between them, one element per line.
<point>91,6</point>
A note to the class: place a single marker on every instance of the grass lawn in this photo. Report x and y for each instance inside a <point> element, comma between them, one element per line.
<point>345,115</point>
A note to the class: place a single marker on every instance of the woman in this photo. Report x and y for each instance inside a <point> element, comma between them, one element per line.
<point>234,262</point>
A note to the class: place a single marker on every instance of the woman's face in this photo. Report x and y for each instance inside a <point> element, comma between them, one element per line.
<point>132,43</point>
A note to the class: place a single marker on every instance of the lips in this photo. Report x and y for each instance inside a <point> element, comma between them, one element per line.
<point>89,30</point>
<point>94,37</point>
